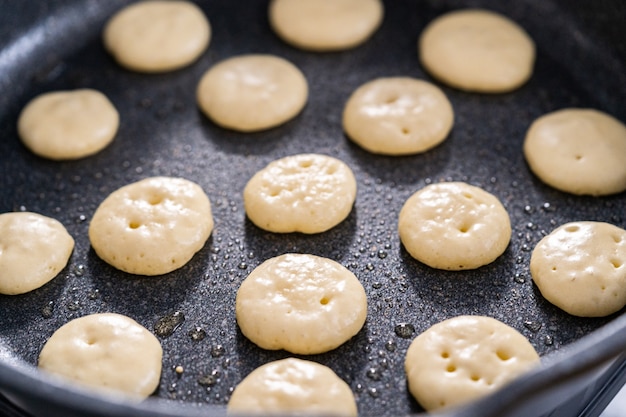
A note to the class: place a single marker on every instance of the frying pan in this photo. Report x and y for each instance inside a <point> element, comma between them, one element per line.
<point>56,45</point>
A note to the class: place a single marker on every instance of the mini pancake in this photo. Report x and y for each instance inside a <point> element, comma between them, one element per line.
<point>307,193</point>
<point>454,226</point>
<point>152,226</point>
<point>581,268</point>
<point>64,125</point>
<point>157,36</point>
<point>579,151</point>
<point>304,304</point>
<point>293,386</point>
<point>33,250</point>
<point>465,358</point>
<point>325,25</point>
<point>477,50</point>
<point>398,116</point>
<point>106,351</point>
<point>252,92</point>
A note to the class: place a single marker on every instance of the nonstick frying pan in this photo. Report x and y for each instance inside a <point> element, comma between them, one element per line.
<point>56,45</point>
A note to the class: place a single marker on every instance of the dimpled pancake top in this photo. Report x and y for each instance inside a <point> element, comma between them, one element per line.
<point>157,36</point>
<point>454,226</point>
<point>107,351</point>
<point>398,116</point>
<point>325,25</point>
<point>307,193</point>
<point>581,268</point>
<point>252,92</point>
<point>477,50</point>
<point>33,250</point>
<point>68,124</point>
<point>464,358</point>
<point>153,226</point>
<point>304,304</point>
<point>295,387</point>
<point>579,151</point>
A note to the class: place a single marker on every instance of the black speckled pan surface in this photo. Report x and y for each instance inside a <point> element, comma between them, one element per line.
<point>52,45</point>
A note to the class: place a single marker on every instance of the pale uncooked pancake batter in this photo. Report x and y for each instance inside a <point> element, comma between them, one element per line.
<point>581,268</point>
<point>454,226</point>
<point>68,124</point>
<point>398,116</point>
<point>579,151</point>
<point>307,193</point>
<point>465,358</point>
<point>252,92</point>
<point>152,226</point>
<point>105,351</point>
<point>33,250</point>
<point>304,304</point>
<point>157,36</point>
<point>325,25</point>
<point>477,50</point>
<point>294,387</point>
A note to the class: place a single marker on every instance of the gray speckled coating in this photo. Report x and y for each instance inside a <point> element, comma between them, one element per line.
<point>56,45</point>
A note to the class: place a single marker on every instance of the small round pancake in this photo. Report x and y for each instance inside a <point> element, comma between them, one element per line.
<point>398,116</point>
<point>454,226</point>
<point>293,387</point>
<point>581,268</point>
<point>325,25</point>
<point>307,193</point>
<point>464,358</point>
<point>252,92</point>
<point>304,304</point>
<point>107,351</point>
<point>153,226</point>
<point>157,36</point>
<point>579,151</point>
<point>68,124</point>
<point>477,50</point>
<point>33,250</point>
